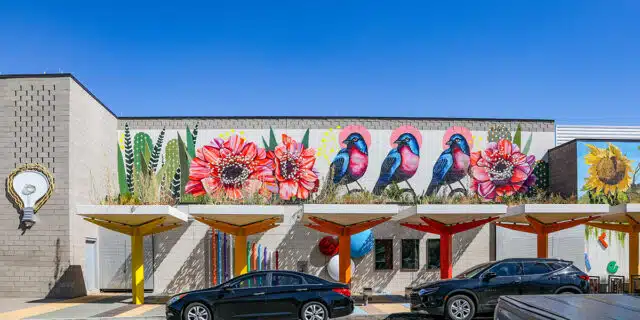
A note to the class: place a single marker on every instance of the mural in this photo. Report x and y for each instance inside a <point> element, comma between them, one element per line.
<point>282,164</point>
<point>351,162</point>
<point>402,161</point>
<point>608,171</point>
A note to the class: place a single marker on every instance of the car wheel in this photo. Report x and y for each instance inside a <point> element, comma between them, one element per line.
<point>196,311</point>
<point>567,292</point>
<point>314,311</point>
<point>460,307</point>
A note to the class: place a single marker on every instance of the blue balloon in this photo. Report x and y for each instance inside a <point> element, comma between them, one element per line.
<point>361,243</point>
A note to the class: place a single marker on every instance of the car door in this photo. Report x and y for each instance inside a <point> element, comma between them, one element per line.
<point>507,279</point>
<point>538,278</point>
<point>286,294</point>
<point>243,298</point>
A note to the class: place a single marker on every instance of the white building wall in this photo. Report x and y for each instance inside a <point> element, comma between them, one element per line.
<point>566,133</point>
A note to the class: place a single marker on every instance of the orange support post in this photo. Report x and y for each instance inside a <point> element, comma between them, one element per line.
<point>344,253</point>
<point>446,256</point>
<point>344,240</point>
<point>543,245</point>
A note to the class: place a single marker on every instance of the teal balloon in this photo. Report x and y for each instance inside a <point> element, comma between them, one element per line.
<point>361,243</point>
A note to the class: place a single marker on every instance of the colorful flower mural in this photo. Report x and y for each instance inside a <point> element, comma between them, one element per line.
<point>608,172</point>
<point>234,167</point>
<point>294,169</point>
<point>227,166</point>
<point>501,170</point>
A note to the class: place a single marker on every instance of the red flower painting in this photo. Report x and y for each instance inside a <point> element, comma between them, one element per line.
<point>226,167</point>
<point>294,172</point>
<point>501,170</point>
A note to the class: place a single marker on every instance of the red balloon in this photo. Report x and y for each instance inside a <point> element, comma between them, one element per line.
<point>328,246</point>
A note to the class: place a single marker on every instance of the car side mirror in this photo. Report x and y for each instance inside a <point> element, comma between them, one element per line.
<point>488,276</point>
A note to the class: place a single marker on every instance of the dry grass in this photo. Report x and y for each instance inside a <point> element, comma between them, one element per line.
<point>148,192</point>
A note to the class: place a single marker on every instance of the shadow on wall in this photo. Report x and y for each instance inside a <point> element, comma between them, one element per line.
<point>70,283</point>
<point>461,242</point>
<point>192,274</point>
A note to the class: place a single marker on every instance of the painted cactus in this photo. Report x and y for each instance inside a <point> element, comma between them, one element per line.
<point>172,159</point>
<point>498,132</point>
<point>142,145</point>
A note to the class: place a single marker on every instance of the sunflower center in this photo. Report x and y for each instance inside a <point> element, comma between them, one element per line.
<point>501,171</point>
<point>610,171</point>
<point>234,174</point>
<point>288,169</point>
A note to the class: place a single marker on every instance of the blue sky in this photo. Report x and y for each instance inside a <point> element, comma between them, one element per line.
<point>573,61</point>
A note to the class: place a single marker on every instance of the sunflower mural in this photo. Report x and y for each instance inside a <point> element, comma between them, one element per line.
<point>609,173</point>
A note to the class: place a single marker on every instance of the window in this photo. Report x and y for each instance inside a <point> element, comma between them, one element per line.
<point>433,253</point>
<point>285,280</point>
<point>557,265</point>
<point>507,269</point>
<point>536,268</point>
<point>384,254</point>
<point>410,254</point>
<point>313,280</point>
<point>253,281</point>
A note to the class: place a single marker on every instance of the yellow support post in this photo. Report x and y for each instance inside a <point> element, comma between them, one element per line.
<point>240,255</point>
<point>344,259</point>
<point>137,267</point>
<point>634,264</point>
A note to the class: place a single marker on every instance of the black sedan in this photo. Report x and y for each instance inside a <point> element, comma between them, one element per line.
<point>265,294</point>
<point>478,289</point>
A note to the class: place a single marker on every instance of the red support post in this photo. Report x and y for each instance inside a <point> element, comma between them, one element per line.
<point>446,256</point>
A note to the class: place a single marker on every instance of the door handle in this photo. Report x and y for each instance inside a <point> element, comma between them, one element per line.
<point>302,289</point>
<point>258,293</point>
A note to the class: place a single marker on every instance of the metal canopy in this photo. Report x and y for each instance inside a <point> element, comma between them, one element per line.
<point>348,214</point>
<point>151,219</point>
<point>553,213</point>
<point>451,214</point>
<point>621,214</point>
<point>238,215</point>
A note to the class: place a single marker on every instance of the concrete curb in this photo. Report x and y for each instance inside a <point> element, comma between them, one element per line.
<point>351,317</point>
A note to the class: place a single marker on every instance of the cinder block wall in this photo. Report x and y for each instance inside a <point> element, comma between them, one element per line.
<point>563,169</point>
<point>39,115</point>
<point>35,129</point>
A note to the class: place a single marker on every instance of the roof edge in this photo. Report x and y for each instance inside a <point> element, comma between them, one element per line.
<point>59,75</point>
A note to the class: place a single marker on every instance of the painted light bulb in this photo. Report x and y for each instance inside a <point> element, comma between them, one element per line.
<point>30,186</point>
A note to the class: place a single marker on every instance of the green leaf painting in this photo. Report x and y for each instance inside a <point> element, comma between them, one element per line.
<point>155,155</point>
<point>527,146</point>
<point>305,139</point>
<point>517,137</point>
<point>191,143</point>
<point>129,159</point>
<point>185,162</point>
<point>122,174</point>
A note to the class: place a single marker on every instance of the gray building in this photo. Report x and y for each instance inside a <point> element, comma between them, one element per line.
<point>55,121</point>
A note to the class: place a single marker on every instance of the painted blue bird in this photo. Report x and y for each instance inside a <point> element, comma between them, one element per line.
<point>351,162</point>
<point>452,165</point>
<point>400,164</point>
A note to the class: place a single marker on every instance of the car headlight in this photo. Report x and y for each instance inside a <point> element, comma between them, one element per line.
<point>175,298</point>
<point>424,291</point>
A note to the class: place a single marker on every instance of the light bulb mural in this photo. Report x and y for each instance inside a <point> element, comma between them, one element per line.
<point>29,187</point>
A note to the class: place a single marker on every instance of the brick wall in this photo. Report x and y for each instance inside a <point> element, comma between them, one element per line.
<point>330,122</point>
<point>563,169</point>
<point>35,129</point>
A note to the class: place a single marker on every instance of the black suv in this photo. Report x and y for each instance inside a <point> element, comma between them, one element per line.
<point>478,289</point>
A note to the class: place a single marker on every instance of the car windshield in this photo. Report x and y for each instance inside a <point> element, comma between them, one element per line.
<point>473,271</point>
